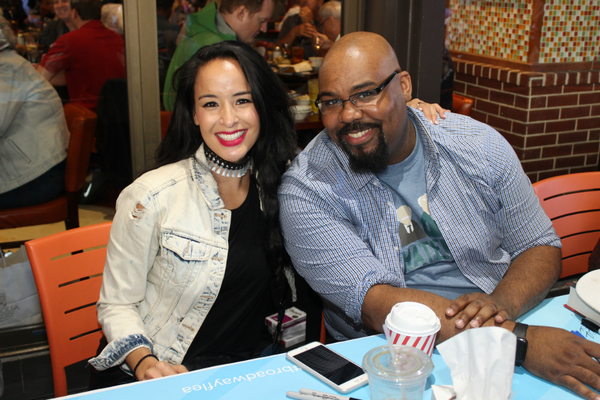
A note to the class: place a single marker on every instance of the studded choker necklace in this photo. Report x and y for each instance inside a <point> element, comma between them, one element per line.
<point>225,168</point>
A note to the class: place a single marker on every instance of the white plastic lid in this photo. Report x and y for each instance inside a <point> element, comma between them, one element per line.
<point>412,319</point>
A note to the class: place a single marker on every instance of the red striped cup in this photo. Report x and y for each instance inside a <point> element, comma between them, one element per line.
<point>412,324</point>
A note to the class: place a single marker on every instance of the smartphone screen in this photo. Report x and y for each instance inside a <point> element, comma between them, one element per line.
<point>329,364</point>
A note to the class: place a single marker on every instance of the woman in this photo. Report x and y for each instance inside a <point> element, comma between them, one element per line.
<point>195,243</point>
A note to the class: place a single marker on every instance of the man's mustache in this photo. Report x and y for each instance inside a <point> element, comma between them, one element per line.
<point>356,126</point>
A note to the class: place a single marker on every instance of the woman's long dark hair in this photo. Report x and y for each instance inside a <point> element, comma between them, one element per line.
<point>276,144</point>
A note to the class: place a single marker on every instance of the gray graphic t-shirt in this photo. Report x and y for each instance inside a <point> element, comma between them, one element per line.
<point>428,262</point>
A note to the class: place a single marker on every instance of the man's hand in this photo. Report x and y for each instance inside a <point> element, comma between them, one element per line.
<point>306,29</point>
<point>320,44</point>
<point>476,308</point>
<point>565,359</point>
<point>306,14</point>
<point>430,111</point>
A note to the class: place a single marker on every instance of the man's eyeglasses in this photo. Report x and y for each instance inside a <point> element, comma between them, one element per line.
<point>361,99</point>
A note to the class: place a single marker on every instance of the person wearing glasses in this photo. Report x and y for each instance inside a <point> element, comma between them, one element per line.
<point>384,207</point>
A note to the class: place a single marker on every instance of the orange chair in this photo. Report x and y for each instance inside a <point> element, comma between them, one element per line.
<point>461,104</point>
<point>82,126</point>
<point>67,267</point>
<point>165,119</point>
<point>323,334</point>
<point>572,202</point>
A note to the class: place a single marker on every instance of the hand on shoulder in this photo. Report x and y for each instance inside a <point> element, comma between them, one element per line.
<point>431,111</point>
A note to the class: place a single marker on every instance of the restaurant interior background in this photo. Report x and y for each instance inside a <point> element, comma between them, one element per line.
<point>531,66</point>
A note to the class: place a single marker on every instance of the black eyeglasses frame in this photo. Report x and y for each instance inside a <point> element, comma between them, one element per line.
<point>352,99</point>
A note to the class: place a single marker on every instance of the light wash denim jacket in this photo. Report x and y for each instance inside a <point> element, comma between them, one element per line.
<point>165,262</point>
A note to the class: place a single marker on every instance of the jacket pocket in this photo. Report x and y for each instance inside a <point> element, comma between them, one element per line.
<point>185,256</point>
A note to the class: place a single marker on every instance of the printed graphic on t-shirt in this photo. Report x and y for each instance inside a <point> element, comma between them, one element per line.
<point>422,241</point>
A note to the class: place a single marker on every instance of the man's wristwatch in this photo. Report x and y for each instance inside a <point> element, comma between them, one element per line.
<point>520,331</point>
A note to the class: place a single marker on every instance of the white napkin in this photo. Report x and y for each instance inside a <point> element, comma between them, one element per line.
<point>481,362</point>
<point>303,66</point>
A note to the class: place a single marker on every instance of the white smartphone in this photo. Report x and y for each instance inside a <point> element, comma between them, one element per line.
<point>332,368</point>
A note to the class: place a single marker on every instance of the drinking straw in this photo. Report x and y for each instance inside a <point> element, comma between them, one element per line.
<point>392,347</point>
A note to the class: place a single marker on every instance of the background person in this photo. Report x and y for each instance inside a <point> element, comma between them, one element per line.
<point>33,131</point>
<point>14,13</point>
<point>239,20</point>
<point>196,243</point>
<point>330,22</point>
<point>86,57</point>
<point>61,24</point>
<point>297,29</point>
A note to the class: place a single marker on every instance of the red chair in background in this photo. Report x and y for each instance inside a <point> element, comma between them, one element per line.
<point>572,202</point>
<point>461,104</point>
<point>67,268</point>
<point>82,126</point>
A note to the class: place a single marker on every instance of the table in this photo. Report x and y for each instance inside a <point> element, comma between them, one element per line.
<point>312,121</point>
<point>272,377</point>
<point>296,80</point>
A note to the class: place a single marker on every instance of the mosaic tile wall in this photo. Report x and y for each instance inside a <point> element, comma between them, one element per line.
<point>491,28</point>
<point>571,31</point>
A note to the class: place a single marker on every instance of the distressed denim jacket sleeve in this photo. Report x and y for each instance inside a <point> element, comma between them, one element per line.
<point>131,252</point>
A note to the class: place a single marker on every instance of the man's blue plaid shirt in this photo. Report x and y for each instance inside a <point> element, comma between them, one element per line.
<point>341,230</point>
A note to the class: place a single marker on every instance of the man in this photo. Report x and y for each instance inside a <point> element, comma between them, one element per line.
<point>235,20</point>
<point>33,131</point>
<point>330,21</point>
<point>167,31</point>
<point>167,38</point>
<point>58,26</point>
<point>297,30</point>
<point>88,56</point>
<point>384,207</point>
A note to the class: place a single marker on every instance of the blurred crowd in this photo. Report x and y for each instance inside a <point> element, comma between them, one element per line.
<point>77,46</point>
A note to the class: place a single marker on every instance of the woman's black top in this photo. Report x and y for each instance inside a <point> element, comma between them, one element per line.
<point>232,329</point>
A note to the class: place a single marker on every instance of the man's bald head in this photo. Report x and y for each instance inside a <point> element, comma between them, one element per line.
<point>366,46</point>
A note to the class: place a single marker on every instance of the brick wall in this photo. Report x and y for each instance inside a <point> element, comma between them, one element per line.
<point>552,119</point>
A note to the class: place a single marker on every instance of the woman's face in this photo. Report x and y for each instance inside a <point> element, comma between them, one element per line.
<point>224,110</point>
<point>62,9</point>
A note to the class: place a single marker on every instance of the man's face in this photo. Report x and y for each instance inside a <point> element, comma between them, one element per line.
<point>314,5</point>
<point>375,135</point>
<point>62,9</point>
<point>253,24</point>
<point>330,27</point>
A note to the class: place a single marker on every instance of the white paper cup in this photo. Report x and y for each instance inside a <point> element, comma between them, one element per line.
<point>412,324</point>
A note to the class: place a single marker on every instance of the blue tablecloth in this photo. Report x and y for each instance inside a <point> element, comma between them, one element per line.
<point>272,377</point>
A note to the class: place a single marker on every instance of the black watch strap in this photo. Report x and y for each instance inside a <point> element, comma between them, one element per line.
<point>520,331</point>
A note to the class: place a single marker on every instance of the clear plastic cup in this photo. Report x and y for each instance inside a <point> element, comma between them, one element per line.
<point>404,380</point>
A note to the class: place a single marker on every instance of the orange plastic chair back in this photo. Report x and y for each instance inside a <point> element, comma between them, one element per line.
<point>68,282</point>
<point>461,104</point>
<point>572,202</point>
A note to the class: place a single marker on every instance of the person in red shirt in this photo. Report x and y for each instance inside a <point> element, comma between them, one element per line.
<point>85,58</point>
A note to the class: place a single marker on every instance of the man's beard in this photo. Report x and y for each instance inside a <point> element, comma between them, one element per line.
<point>360,160</point>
